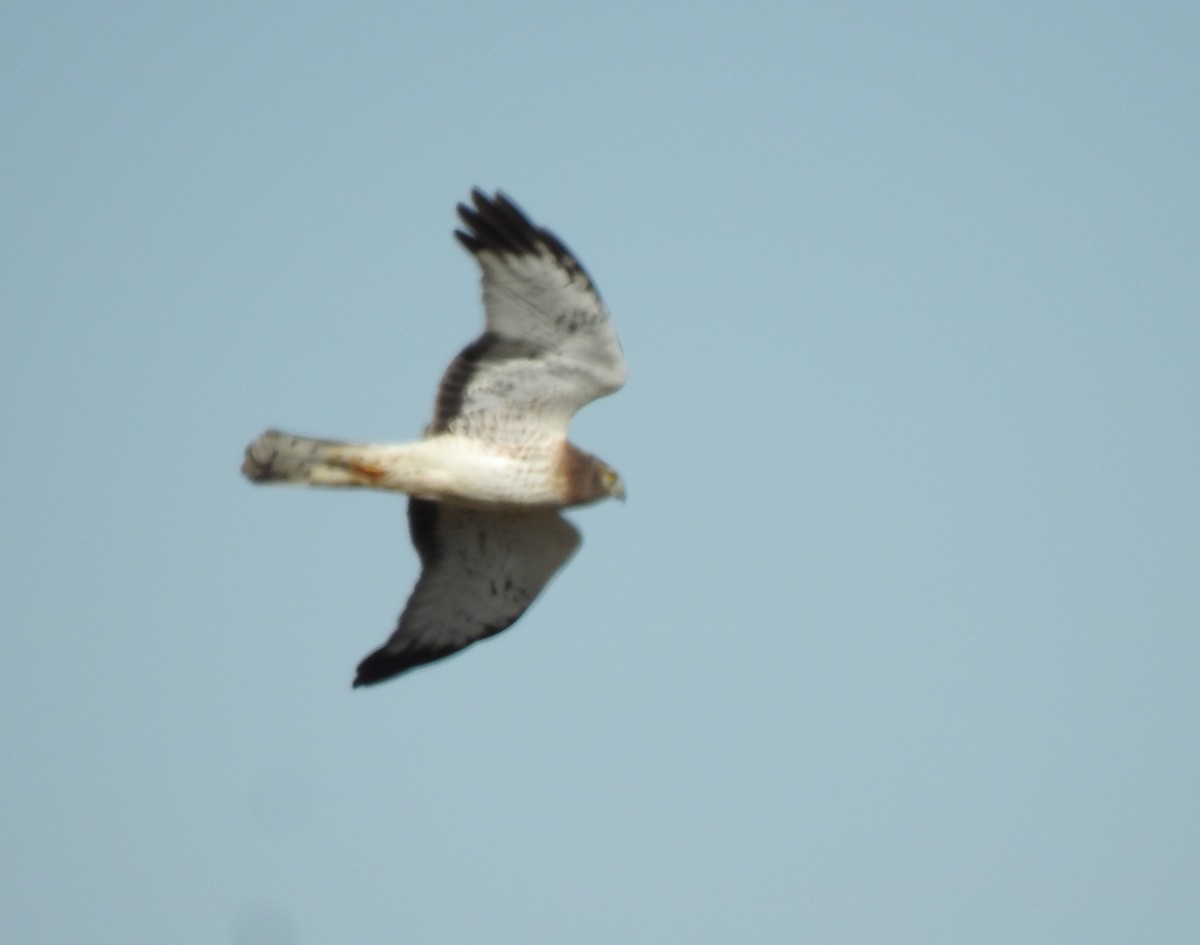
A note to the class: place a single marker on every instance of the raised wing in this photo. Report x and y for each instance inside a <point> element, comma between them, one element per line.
<point>480,570</point>
<point>548,347</point>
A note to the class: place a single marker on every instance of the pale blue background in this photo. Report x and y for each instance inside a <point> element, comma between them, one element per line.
<point>895,640</point>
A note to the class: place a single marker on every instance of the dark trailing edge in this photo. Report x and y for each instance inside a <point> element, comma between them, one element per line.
<point>422,529</point>
<point>488,346</point>
<point>382,664</point>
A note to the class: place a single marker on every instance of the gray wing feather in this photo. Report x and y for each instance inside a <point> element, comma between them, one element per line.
<point>548,348</point>
<point>480,570</point>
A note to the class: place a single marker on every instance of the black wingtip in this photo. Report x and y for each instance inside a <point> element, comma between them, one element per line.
<point>379,666</point>
<point>498,225</point>
<point>383,664</point>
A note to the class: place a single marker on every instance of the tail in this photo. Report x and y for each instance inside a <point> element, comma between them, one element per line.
<point>282,457</point>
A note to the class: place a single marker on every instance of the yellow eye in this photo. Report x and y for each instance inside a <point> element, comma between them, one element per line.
<point>611,483</point>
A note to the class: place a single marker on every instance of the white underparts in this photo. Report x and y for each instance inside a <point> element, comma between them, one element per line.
<point>442,468</point>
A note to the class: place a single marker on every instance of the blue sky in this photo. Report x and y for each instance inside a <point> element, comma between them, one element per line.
<point>894,641</point>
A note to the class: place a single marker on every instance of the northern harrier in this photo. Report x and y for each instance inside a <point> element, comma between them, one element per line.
<point>493,469</point>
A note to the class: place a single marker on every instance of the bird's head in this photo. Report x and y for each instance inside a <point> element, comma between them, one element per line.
<point>611,483</point>
<point>589,479</point>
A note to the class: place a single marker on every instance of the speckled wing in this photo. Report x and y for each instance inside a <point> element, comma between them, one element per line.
<point>480,570</point>
<point>548,346</point>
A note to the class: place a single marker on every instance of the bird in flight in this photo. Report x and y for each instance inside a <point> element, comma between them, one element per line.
<point>487,480</point>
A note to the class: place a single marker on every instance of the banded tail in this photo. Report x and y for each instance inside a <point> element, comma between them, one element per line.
<point>281,457</point>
